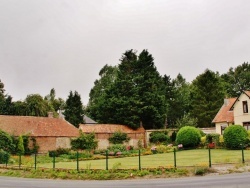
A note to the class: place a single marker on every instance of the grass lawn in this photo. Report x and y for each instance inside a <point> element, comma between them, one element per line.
<point>197,157</point>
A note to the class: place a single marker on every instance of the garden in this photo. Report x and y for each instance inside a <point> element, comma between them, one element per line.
<point>188,148</point>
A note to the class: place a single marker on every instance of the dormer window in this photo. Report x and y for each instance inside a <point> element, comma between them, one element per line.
<point>245,107</point>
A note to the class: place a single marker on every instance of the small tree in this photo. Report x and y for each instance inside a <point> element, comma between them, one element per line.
<point>6,142</point>
<point>235,137</point>
<point>119,137</point>
<point>188,137</point>
<point>20,146</point>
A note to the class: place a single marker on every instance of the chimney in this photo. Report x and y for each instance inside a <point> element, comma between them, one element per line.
<point>50,115</point>
<point>226,102</point>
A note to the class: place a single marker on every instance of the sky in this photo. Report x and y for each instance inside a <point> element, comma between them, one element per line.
<point>63,44</point>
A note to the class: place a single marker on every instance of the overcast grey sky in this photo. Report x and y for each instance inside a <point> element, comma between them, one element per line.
<point>63,44</point>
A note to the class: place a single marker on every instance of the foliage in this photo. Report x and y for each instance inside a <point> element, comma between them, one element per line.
<point>6,142</point>
<point>188,136</point>
<point>137,92</point>
<point>235,137</point>
<point>186,120</point>
<point>58,152</point>
<point>202,133</point>
<point>107,75</point>
<point>213,137</point>
<point>117,147</point>
<point>178,97</point>
<point>157,137</point>
<point>84,142</point>
<point>173,136</point>
<point>36,106</point>
<point>4,156</point>
<point>237,79</point>
<point>207,93</point>
<point>57,104</point>
<point>74,109</point>
<point>20,147</point>
<point>119,137</point>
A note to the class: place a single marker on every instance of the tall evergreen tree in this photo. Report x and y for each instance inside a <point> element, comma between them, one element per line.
<point>207,94</point>
<point>74,109</point>
<point>108,76</point>
<point>137,94</point>
<point>179,101</point>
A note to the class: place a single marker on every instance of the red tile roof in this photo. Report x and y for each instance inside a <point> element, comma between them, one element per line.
<point>108,128</point>
<point>37,126</point>
<point>225,114</point>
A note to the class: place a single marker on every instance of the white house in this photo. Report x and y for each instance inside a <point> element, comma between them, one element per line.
<point>233,111</point>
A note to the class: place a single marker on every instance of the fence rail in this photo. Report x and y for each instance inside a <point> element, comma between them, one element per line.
<point>186,158</point>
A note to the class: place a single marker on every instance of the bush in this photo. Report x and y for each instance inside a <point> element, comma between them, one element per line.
<point>235,137</point>
<point>6,142</point>
<point>84,141</point>
<point>117,147</point>
<point>188,136</point>
<point>213,137</point>
<point>119,138</point>
<point>4,156</point>
<point>158,137</point>
<point>58,152</point>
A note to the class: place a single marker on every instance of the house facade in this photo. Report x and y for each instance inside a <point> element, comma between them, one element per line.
<point>234,111</point>
<point>104,131</point>
<point>49,133</point>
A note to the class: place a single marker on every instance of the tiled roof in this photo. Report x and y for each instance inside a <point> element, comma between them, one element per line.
<point>225,114</point>
<point>37,126</point>
<point>108,128</point>
<point>247,92</point>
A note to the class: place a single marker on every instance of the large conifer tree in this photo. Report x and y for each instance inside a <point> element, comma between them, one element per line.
<point>74,109</point>
<point>137,94</point>
<point>207,94</point>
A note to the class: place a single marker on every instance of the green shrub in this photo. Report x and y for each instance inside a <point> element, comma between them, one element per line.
<point>162,149</point>
<point>4,156</point>
<point>213,137</point>
<point>188,136</point>
<point>158,137</point>
<point>119,137</point>
<point>84,141</point>
<point>20,147</point>
<point>235,137</point>
<point>117,147</point>
<point>58,152</point>
<point>6,142</point>
<point>81,155</point>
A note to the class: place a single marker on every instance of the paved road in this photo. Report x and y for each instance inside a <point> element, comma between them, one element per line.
<point>241,180</point>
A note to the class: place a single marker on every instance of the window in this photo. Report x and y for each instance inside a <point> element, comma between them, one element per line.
<point>223,127</point>
<point>245,107</point>
<point>246,125</point>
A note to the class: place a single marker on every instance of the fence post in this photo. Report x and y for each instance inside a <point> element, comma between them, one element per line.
<point>139,159</point>
<point>77,161</point>
<point>54,160</point>
<point>174,157</point>
<point>19,162</point>
<point>242,153</point>
<point>35,161</point>
<point>6,159</point>
<point>209,156</point>
<point>107,165</point>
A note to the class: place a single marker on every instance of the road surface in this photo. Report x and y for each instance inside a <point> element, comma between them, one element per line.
<point>241,180</point>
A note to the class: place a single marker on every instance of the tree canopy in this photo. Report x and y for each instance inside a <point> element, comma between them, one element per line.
<point>207,94</point>
<point>74,109</point>
<point>136,94</point>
